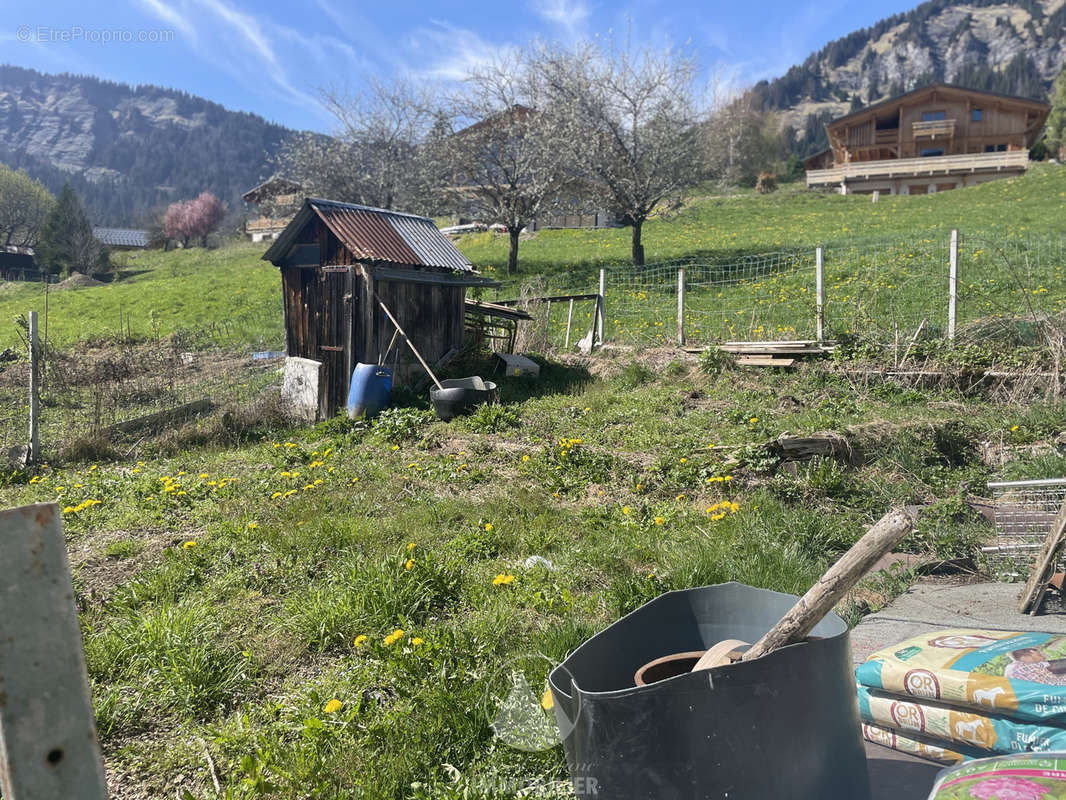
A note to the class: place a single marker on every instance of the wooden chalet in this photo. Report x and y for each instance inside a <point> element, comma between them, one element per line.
<point>337,261</point>
<point>276,200</point>
<point>928,140</point>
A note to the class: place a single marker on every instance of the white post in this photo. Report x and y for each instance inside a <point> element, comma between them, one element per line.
<point>819,295</point>
<point>569,319</point>
<point>35,366</point>
<point>600,306</point>
<point>953,285</point>
<point>681,307</point>
<point>48,742</point>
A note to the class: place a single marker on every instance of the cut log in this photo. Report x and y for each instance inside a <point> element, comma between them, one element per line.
<point>799,448</point>
<point>834,584</point>
<point>1044,565</point>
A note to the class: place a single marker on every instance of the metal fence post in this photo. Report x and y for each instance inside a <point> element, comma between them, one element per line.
<point>953,285</point>
<point>681,307</point>
<point>819,295</point>
<point>600,306</point>
<point>35,351</point>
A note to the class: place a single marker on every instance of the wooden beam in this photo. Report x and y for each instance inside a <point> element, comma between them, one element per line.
<point>48,746</point>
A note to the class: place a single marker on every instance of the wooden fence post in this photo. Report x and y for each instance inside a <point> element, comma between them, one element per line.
<point>48,744</point>
<point>819,295</point>
<point>601,310</point>
<point>569,319</point>
<point>953,285</point>
<point>681,307</point>
<point>35,407</point>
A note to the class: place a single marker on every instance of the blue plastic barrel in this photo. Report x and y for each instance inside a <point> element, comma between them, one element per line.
<point>369,392</point>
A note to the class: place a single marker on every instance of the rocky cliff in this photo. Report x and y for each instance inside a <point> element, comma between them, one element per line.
<point>128,149</point>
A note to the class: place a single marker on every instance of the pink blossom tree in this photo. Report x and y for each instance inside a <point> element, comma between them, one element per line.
<point>193,219</point>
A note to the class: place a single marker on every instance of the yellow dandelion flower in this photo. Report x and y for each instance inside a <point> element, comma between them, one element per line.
<point>418,641</point>
<point>680,497</point>
<point>253,525</point>
<point>547,702</point>
<point>684,460</point>
<point>488,526</point>
<point>333,706</point>
<point>411,546</point>
<point>203,475</point>
<point>753,420</point>
<point>275,496</point>
<point>525,459</point>
<point>360,640</point>
<point>503,580</point>
<point>189,545</point>
<point>659,520</point>
<point>410,563</point>
<point>625,509</point>
<point>1013,428</point>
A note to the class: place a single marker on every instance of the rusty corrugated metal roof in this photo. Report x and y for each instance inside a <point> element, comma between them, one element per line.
<point>376,234</point>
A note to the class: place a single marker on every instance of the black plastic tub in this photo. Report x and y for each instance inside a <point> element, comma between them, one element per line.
<point>782,726</point>
<point>459,395</point>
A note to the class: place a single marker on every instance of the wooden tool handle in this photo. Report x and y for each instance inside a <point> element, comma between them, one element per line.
<point>719,655</point>
<point>834,584</point>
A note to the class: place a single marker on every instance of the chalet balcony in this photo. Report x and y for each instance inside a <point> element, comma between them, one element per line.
<point>266,224</point>
<point>976,163</point>
<point>938,127</point>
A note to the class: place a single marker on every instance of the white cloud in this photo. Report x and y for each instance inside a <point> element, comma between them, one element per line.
<point>571,15</point>
<point>447,52</point>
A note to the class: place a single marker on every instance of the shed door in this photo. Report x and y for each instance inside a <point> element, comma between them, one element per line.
<point>335,325</point>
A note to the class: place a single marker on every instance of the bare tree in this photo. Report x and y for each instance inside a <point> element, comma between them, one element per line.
<point>740,139</point>
<point>24,207</point>
<point>375,157</point>
<point>509,164</point>
<point>631,123</point>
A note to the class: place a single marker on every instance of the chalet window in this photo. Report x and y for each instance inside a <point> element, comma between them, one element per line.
<point>995,148</point>
<point>976,114</point>
<point>932,151</point>
<point>990,148</point>
<point>1001,148</point>
<point>933,116</point>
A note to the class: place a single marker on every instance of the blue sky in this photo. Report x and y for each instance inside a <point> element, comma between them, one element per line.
<point>272,57</point>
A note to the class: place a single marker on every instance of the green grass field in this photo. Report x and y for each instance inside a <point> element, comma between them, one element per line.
<point>335,611</point>
<point>195,288</point>
<point>330,612</point>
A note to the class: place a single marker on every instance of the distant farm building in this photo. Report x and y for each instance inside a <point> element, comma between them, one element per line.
<point>276,201</point>
<point>928,140</point>
<point>122,238</point>
<point>338,261</point>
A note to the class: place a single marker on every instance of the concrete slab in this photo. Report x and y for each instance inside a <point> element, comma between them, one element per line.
<point>929,606</point>
<point>933,606</point>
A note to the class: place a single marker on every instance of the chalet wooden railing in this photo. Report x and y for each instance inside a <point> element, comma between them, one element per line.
<point>934,128</point>
<point>917,167</point>
<point>265,224</point>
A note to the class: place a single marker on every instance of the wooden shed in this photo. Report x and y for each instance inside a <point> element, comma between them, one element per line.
<point>337,261</point>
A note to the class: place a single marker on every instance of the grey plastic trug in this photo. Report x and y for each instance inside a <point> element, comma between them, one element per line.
<point>785,726</point>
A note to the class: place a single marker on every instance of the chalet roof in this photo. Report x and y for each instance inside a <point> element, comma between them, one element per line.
<point>374,234</point>
<point>930,87</point>
<point>270,187</point>
<point>121,237</point>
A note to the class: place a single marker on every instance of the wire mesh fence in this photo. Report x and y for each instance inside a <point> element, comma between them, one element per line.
<point>111,384</point>
<point>885,291</point>
<point>1024,513</point>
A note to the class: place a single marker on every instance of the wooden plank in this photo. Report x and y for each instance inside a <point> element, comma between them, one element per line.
<point>764,361</point>
<point>1044,565</point>
<point>48,746</point>
<point>162,419</point>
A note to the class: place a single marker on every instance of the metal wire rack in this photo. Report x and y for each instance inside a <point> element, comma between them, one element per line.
<point>1024,512</point>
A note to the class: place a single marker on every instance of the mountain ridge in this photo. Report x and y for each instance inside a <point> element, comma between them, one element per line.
<point>129,149</point>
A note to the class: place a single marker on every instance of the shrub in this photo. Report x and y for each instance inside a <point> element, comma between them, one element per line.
<point>767,183</point>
